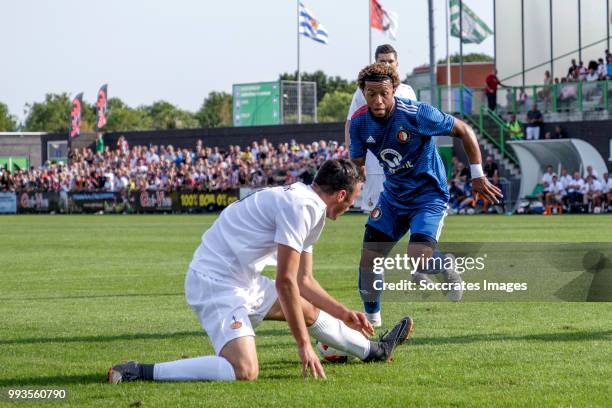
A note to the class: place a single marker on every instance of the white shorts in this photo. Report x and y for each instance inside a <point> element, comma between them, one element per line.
<point>371,191</point>
<point>225,310</point>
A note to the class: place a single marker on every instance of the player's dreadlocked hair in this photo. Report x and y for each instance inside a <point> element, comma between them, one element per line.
<point>337,174</point>
<point>377,73</point>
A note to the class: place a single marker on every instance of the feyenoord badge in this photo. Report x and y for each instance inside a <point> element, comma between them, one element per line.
<point>403,136</point>
<point>376,213</point>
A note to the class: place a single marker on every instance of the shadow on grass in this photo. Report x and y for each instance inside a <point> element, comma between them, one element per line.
<point>55,380</point>
<point>544,337</point>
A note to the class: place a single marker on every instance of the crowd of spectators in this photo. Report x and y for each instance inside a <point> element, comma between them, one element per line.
<point>566,94</point>
<point>462,200</point>
<point>580,193</point>
<point>126,168</point>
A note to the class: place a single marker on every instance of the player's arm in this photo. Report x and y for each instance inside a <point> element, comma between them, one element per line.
<point>358,150</point>
<point>480,184</point>
<point>288,263</point>
<point>312,291</point>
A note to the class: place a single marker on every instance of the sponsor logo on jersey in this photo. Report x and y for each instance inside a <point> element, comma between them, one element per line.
<point>376,213</point>
<point>403,136</point>
<point>394,160</point>
<point>371,140</point>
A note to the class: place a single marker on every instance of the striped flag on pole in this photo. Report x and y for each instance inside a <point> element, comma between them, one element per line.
<point>310,27</point>
<point>475,30</point>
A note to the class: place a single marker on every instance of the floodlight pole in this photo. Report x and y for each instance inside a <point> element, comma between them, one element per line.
<point>579,30</point>
<point>552,51</point>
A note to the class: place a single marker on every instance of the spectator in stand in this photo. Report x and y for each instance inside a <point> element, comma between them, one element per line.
<point>548,176</point>
<point>581,71</point>
<point>559,133</point>
<point>565,178</point>
<point>534,121</point>
<point>602,69</point>
<point>492,82</point>
<point>515,128</point>
<point>574,190</point>
<point>591,193</point>
<point>554,192</point>
<point>490,168</point>
<point>590,172</point>
<point>461,176</point>
<point>606,190</point>
<point>609,65</point>
<point>545,93</point>
<point>568,91</point>
<point>572,72</point>
<point>522,100</point>
<point>99,143</point>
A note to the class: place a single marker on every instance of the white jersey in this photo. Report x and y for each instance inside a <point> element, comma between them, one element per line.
<point>403,91</point>
<point>606,186</point>
<point>244,239</point>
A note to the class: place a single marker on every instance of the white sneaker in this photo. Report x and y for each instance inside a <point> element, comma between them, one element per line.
<point>374,318</point>
<point>451,276</point>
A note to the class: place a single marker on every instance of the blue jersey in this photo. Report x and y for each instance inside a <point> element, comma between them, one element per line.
<point>406,149</point>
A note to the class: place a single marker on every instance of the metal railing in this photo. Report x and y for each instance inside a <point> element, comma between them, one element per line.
<point>562,97</point>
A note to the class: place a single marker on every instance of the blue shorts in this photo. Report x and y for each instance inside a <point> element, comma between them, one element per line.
<point>395,222</point>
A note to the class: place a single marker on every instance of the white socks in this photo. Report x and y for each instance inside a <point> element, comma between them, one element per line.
<point>374,318</point>
<point>210,368</point>
<point>329,330</point>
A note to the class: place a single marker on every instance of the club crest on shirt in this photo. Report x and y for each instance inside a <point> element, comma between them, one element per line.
<point>403,136</point>
<point>237,324</point>
<point>376,213</point>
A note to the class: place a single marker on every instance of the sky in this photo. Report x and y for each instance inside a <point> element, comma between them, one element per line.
<point>181,50</point>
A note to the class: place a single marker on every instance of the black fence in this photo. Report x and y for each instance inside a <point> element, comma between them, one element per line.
<point>180,201</point>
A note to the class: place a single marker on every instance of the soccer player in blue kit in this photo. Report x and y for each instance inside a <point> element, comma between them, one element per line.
<point>399,132</point>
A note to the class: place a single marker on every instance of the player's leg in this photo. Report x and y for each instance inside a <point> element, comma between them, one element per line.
<point>382,231</point>
<point>335,333</point>
<point>425,229</point>
<point>220,307</point>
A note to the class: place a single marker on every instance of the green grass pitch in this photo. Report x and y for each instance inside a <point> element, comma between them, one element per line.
<point>79,293</point>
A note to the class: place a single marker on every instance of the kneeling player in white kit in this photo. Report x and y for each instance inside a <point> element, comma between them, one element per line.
<point>226,290</point>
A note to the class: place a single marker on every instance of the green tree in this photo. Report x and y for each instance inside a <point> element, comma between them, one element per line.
<point>324,83</point>
<point>165,115</point>
<point>122,118</point>
<point>472,57</point>
<point>8,123</point>
<point>334,106</point>
<point>52,115</point>
<point>216,110</point>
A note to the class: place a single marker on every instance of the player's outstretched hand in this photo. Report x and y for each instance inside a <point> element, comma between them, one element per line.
<point>358,321</point>
<point>489,191</point>
<point>311,365</point>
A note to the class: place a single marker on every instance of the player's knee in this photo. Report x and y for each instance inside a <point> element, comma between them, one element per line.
<point>311,313</point>
<point>246,371</point>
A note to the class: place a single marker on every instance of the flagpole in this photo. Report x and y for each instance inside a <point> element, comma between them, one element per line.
<point>432,57</point>
<point>299,76</point>
<point>370,31</point>
<point>461,56</point>
<point>449,94</point>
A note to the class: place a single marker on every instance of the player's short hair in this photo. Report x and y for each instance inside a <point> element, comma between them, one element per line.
<point>385,49</point>
<point>377,73</point>
<point>337,174</point>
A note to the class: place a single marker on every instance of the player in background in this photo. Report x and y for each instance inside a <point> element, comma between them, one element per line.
<point>375,176</point>
<point>230,297</point>
<point>399,132</point>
